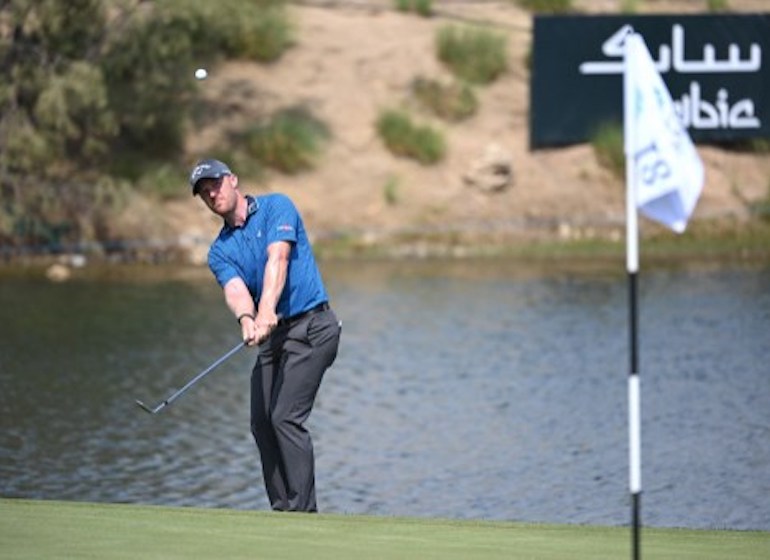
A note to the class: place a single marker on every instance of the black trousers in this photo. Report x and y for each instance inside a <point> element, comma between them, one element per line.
<point>284,384</point>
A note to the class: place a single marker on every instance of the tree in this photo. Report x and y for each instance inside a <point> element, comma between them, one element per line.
<point>96,90</point>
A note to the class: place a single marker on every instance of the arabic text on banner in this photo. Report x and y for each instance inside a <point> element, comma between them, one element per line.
<point>715,67</point>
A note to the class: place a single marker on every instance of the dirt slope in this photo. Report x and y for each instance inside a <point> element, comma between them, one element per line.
<point>354,58</point>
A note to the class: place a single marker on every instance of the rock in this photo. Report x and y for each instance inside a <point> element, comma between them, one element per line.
<point>58,273</point>
<point>77,260</point>
<point>492,171</point>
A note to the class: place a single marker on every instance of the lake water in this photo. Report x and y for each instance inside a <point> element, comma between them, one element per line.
<point>485,390</point>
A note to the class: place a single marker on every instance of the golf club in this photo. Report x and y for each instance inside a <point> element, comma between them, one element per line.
<point>193,381</point>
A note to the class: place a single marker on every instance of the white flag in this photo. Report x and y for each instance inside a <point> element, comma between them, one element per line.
<point>666,172</point>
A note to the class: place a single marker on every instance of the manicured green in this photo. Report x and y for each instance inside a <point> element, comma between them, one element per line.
<point>39,530</point>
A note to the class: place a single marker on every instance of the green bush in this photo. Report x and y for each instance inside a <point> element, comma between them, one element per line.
<point>147,69</point>
<point>607,143</point>
<point>148,66</point>
<point>54,110</point>
<point>717,5</point>
<point>290,141</point>
<point>629,6</point>
<point>263,39</point>
<point>102,89</point>
<point>422,7</point>
<point>453,102</point>
<point>473,54</point>
<point>404,138</point>
<point>161,181</point>
<point>261,32</point>
<point>546,6</point>
<point>258,30</point>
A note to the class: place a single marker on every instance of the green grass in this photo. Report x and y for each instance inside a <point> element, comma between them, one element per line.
<point>704,241</point>
<point>34,529</point>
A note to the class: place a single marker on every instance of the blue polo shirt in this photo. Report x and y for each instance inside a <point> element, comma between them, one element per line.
<point>242,252</point>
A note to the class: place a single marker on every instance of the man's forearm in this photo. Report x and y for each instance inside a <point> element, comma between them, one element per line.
<point>239,299</point>
<point>274,280</point>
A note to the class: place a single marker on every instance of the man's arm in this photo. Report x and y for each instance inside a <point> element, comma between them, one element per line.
<point>255,327</point>
<point>241,303</point>
<point>276,270</point>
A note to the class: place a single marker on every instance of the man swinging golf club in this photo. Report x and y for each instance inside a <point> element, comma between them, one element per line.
<point>264,262</point>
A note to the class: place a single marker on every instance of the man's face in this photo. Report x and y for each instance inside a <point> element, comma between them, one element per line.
<point>220,195</point>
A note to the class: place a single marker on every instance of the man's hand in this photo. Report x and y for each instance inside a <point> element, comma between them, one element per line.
<point>241,303</point>
<point>255,328</point>
<point>248,330</point>
<point>264,324</point>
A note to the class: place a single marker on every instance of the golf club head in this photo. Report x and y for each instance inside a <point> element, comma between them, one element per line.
<point>192,382</point>
<point>148,409</point>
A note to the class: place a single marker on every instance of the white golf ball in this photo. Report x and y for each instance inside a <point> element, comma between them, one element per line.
<point>201,74</point>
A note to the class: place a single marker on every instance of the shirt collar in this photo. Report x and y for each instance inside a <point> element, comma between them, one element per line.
<point>252,206</point>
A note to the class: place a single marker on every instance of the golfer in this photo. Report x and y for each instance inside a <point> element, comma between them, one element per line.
<point>264,262</point>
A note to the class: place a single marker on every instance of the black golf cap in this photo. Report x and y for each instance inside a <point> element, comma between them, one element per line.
<point>207,169</point>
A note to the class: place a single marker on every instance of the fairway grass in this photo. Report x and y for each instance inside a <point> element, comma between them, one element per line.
<point>43,529</point>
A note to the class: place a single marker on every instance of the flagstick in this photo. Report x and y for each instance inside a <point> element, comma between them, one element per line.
<point>632,266</point>
<point>634,407</point>
<point>673,180</point>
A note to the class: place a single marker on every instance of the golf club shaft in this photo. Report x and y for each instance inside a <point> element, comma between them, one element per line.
<point>195,379</point>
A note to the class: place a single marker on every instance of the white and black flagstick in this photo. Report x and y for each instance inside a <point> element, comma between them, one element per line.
<point>632,267</point>
<point>634,400</point>
<point>664,178</point>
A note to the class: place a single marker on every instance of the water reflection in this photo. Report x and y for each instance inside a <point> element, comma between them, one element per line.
<point>463,390</point>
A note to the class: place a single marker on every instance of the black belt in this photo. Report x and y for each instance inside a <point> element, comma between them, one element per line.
<point>287,321</point>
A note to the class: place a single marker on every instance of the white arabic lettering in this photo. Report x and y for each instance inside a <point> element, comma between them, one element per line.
<point>698,113</point>
<point>674,56</point>
<point>710,64</point>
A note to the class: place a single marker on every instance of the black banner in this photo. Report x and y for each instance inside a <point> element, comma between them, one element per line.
<point>717,68</point>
